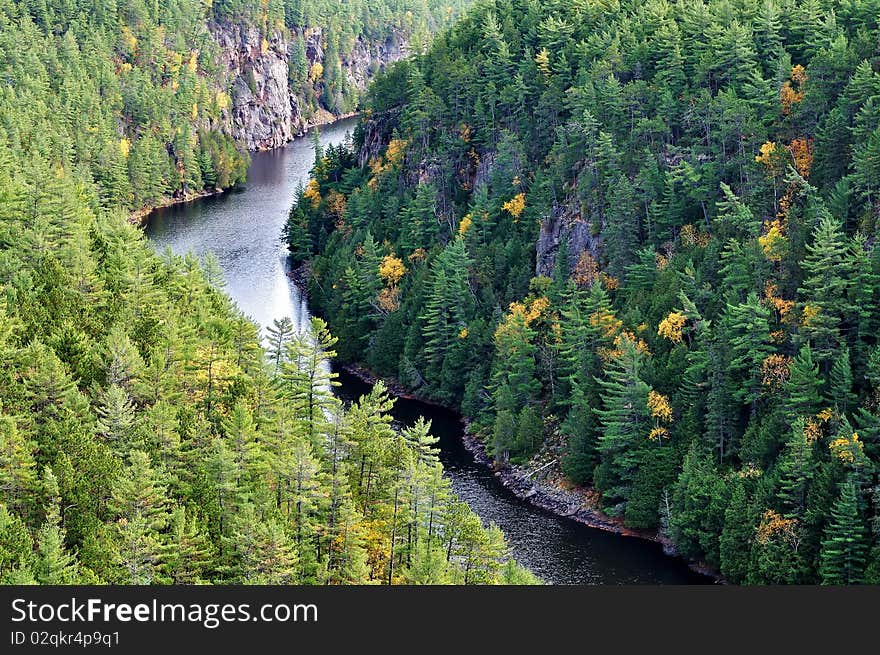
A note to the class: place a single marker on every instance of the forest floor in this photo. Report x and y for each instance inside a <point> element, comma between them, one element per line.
<point>542,483</point>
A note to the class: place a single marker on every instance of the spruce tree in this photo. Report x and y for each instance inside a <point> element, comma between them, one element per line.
<point>796,470</point>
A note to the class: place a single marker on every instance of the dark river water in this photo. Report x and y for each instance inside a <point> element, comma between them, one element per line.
<point>242,228</point>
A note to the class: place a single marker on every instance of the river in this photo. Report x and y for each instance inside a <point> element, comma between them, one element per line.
<point>242,228</point>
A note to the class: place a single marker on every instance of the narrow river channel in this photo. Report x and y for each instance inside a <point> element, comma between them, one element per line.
<point>242,228</point>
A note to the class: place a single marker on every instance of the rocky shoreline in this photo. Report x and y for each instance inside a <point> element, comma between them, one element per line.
<point>549,494</point>
<point>140,216</point>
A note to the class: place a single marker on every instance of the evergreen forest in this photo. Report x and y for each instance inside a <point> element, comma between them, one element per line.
<point>639,238</point>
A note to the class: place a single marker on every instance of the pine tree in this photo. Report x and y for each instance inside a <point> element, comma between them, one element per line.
<point>824,291</point>
<point>226,493</point>
<point>54,565</point>
<point>18,479</point>
<point>625,423</point>
<point>297,234</point>
<point>266,554</point>
<point>242,440</point>
<point>580,427</point>
<point>843,554</point>
<point>187,556</point>
<point>840,388</point>
<point>447,306</point>
<point>796,470</point>
<point>504,435</point>
<point>737,535</point>
<point>418,220</point>
<point>117,419</point>
<point>16,548</point>
<point>698,507</point>
<point>750,344</point>
<point>280,333</point>
<point>124,362</point>
<point>308,379</point>
<point>140,506</point>
<point>802,398</point>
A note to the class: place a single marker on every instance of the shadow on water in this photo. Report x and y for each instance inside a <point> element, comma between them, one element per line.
<point>558,550</point>
<point>242,228</point>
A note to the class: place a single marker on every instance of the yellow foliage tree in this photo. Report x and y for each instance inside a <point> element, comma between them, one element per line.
<point>661,410</point>
<point>336,203</point>
<point>774,525</point>
<point>671,327</point>
<point>659,406</point>
<point>769,157</point>
<point>775,370</point>
<point>792,92</point>
<point>312,193</point>
<point>586,271</point>
<point>394,153</point>
<point>391,269</point>
<point>809,314</point>
<point>542,60</point>
<point>316,72</point>
<point>515,205</point>
<point>848,449</point>
<point>773,241</point>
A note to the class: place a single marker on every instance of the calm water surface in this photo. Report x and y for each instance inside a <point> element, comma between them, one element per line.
<point>242,228</point>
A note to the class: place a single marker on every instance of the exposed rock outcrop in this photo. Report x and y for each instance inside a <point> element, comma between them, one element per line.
<point>564,224</point>
<point>263,114</point>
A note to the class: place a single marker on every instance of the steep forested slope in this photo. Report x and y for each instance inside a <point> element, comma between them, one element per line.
<point>145,435</point>
<point>149,100</point>
<point>639,237</point>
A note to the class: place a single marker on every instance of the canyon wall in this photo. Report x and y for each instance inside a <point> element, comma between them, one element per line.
<point>264,111</point>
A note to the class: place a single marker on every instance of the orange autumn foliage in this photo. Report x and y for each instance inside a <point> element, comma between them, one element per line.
<point>774,525</point>
<point>775,370</point>
<point>802,152</point>
<point>792,92</point>
<point>586,270</point>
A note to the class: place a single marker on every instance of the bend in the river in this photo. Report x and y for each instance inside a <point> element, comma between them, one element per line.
<point>243,227</point>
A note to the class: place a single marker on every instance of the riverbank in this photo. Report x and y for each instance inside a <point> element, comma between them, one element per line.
<point>140,216</point>
<point>322,119</point>
<point>549,492</point>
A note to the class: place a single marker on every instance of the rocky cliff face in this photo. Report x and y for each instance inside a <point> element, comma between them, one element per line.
<point>564,224</point>
<point>263,112</point>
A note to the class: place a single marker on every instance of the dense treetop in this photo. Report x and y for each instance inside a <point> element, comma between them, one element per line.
<point>639,236</point>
